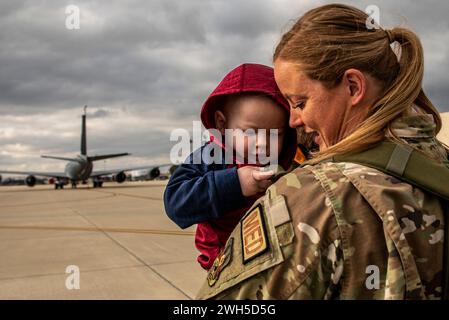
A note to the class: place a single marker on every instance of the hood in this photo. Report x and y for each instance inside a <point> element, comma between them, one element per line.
<point>251,77</point>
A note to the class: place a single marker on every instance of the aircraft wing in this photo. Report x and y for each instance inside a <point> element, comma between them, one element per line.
<point>114,171</point>
<point>36,173</point>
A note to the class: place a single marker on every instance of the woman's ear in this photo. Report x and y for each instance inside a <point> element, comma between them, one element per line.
<point>355,81</point>
<point>220,121</point>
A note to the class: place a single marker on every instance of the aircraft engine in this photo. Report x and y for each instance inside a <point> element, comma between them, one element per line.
<point>154,173</point>
<point>30,181</point>
<point>120,177</point>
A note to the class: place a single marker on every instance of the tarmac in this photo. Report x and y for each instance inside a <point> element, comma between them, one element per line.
<point>118,237</point>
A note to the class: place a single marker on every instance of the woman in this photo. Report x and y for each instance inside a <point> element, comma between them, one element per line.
<point>365,218</point>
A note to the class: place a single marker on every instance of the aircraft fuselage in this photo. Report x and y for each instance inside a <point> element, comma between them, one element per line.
<point>79,170</point>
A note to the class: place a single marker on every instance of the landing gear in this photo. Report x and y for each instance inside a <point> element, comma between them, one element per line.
<point>59,185</point>
<point>74,184</point>
<point>98,184</point>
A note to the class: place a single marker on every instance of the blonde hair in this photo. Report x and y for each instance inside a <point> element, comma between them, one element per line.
<point>331,39</point>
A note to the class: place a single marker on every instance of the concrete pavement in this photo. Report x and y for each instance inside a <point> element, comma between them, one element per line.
<point>118,236</point>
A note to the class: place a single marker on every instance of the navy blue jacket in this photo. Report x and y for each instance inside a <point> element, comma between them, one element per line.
<point>197,193</point>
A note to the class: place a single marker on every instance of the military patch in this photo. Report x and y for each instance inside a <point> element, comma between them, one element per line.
<point>222,260</point>
<point>299,156</point>
<point>254,236</point>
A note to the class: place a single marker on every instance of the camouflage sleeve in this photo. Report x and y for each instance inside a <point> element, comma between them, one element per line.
<point>301,257</point>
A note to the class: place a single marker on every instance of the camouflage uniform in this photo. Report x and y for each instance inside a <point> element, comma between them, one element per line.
<point>338,231</point>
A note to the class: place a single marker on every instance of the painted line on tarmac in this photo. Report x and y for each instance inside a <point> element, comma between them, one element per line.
<point>61,201</point>
<point>128,195</point>
<point>117,230</point>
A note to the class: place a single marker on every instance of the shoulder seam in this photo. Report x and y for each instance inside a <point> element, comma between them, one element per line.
<point>339,221</point>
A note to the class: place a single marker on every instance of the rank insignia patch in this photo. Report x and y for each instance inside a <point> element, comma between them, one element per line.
<point>222,260</point>
<point>254,237</point>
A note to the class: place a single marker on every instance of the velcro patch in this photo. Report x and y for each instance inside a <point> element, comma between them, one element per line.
<point>254,236</point>
<point>278,211</point>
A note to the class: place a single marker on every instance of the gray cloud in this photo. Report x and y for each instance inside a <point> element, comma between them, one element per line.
<point>100,113</point>
<point>145,67</point>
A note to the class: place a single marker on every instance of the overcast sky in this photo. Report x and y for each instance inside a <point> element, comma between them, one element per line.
<point>145,67</point>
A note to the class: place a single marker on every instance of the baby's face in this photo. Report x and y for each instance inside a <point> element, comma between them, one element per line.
<point>257,113</point>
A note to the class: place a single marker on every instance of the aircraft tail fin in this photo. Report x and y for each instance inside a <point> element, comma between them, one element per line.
<point>83,134</point>
<point>84,147</point>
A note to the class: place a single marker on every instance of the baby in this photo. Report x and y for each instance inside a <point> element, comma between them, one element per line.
<point>216,195</point>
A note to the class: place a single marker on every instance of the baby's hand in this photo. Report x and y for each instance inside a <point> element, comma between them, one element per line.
<point>254,180</point>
